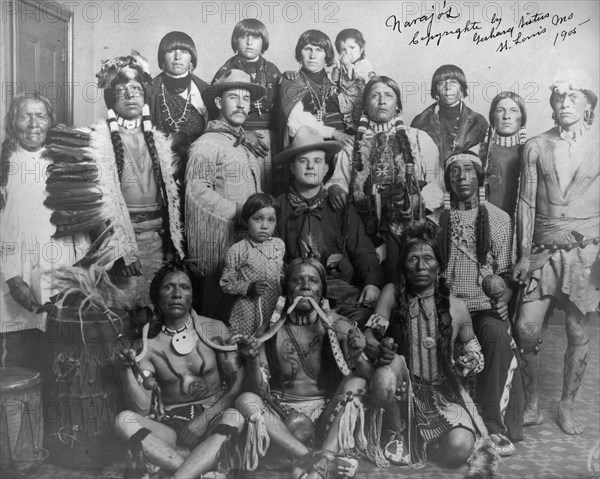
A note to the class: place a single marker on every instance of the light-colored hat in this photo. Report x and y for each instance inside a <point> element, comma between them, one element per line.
<point>572,79</point>
<point>308,139</point>
<point>230,80</point>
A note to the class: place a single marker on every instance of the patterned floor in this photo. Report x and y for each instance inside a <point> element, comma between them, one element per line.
<point>546,452</point>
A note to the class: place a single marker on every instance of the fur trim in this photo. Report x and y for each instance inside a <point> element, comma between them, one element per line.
<point>122,243</point>
<point>484,459</point>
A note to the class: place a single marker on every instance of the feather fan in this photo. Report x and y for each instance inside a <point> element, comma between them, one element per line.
<point>84,192</point>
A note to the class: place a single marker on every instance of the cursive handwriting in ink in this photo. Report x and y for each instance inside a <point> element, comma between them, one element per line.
<point>446,12</point>
<point>495,31</point>
<point>437,37</point>
<point>534,18</point>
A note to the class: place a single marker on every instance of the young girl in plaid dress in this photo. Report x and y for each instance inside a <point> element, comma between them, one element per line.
<point>254,267</point>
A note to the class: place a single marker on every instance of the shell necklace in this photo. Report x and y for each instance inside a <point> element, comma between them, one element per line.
<point>181,340</point>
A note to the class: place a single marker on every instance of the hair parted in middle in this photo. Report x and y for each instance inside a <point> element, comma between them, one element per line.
<point>512,96</point>
<point>250,26</point>
<point>307,260</point>
<point>318,39</point>
<point>386,81</point>
<point>257,202</point>
<point>449,72</point>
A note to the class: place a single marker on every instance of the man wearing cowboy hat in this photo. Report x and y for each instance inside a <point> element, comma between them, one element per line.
<point>221,174</point>
<point>558,231</point>
<point>309,222</point>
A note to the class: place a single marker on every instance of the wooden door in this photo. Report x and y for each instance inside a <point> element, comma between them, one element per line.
<point>41,51</point>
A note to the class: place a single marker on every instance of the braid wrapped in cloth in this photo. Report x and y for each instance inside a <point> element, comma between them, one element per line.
<point>472,347</point>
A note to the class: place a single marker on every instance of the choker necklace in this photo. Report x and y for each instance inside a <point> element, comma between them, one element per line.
<point>129,124</point>
<point>572,135</point>
<point>465,205</point>
<point>507,141</point>
<point>181,340</point>
<point>303,320</point>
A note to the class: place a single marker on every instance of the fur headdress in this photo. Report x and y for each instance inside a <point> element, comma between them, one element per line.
<point>575,79</point>
<point>123,69</point>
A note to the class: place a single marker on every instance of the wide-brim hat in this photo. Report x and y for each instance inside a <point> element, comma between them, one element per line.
<point>231,80</point>
<point>307,139</point>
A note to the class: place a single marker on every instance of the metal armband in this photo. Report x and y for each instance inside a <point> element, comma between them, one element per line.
<point>473,347</point>
<point>378,323</point>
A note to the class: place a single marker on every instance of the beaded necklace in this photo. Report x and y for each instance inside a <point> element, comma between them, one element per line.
<point>175,125</point>
<point>182,342</point>
<point>319,110</point>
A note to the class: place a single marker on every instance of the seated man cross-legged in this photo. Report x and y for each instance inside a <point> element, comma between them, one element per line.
<point>180,403</point>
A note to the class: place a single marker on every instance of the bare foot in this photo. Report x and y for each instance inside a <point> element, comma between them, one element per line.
<point>567,422</point>
<point>532,416</point>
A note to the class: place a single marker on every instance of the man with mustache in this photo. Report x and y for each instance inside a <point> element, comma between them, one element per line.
<point>222,172</point>
<point>558,233</point>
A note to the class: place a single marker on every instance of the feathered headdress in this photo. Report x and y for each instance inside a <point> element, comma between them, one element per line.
<point>123,69</point>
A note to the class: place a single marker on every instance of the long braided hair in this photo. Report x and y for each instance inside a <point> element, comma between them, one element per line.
<point>482,223</point>
<point>119,151</point>
<point>398,329</point>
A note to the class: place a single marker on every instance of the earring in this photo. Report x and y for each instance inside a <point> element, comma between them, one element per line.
<point>587,115</point>
<point>447,200</point>
<point>522,135</point>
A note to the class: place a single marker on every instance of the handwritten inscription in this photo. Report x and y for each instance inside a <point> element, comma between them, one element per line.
<point>446,21</point>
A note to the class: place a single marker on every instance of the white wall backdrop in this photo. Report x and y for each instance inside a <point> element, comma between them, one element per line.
<point>541,37</point>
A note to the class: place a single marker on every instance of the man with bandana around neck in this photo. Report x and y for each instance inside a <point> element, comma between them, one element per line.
<point>221,174</point>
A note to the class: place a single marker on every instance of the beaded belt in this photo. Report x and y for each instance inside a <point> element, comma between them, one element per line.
<point>145,216</point>
<point>538,248</point>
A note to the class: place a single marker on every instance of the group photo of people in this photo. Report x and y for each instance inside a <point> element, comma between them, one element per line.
<point>285,270</point>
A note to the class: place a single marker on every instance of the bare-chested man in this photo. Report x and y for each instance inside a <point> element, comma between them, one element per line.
<point>189,373</point>
<point>297,374</point>
<point>558,232</point>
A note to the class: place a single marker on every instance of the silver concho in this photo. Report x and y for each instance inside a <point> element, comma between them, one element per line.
<point>429,342</point>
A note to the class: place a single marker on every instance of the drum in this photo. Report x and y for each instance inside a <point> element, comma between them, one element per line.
<point>21,425</point>
<point>83,392</point>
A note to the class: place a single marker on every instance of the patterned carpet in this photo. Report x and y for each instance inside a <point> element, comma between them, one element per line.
<point>546,452</point>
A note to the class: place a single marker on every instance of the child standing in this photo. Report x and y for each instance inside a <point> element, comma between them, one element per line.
<point>352,75</point>
<point>254,266</point>
<point>249,41</point>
